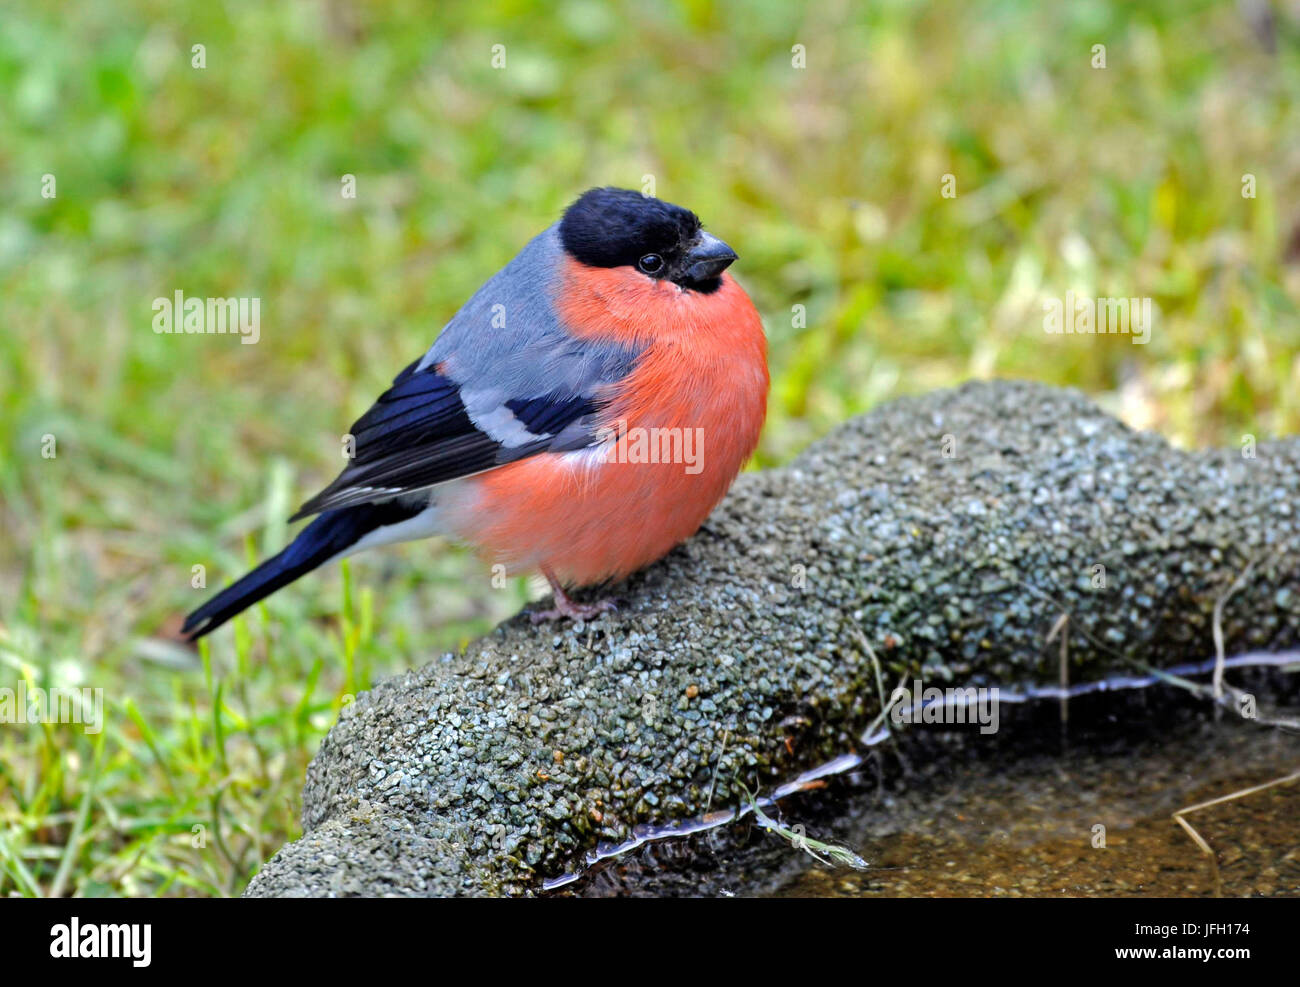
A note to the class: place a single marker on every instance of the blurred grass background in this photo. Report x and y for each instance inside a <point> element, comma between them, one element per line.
<point>174,451</point>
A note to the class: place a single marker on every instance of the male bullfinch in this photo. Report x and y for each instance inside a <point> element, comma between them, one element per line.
<point>581,414</point>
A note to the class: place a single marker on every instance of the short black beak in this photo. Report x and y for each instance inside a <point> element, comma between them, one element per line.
<point>708,258</point>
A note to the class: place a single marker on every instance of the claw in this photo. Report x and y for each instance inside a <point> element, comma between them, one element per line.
<point>565,607</point>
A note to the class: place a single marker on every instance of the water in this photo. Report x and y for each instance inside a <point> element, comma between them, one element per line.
<point>1023,824</point>
<point>1035,810</point>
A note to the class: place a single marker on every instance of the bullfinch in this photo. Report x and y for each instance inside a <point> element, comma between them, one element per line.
<point>581,414</point>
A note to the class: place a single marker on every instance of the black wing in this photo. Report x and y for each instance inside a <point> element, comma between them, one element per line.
<point>419,434</point>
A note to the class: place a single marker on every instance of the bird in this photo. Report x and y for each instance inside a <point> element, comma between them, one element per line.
<point>581,415</point>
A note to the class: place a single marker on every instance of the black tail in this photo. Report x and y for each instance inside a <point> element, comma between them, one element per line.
<point>327,536</point>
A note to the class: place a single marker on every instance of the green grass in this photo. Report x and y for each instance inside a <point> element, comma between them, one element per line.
<point>176,451</point>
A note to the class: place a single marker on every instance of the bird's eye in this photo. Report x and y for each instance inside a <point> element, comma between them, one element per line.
<point>651,263</point>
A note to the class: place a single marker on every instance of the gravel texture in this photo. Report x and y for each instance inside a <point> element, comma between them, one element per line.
<point>949,533</point>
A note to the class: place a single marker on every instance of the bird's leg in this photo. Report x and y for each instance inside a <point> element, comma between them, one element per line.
<point>565,607</point>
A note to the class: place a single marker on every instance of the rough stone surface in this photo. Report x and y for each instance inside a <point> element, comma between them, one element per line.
<point>949,532</point>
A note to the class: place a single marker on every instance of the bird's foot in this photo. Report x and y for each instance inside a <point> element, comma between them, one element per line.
<point>564,607</point>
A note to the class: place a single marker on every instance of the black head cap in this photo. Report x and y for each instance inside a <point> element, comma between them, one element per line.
<point>613,227</point>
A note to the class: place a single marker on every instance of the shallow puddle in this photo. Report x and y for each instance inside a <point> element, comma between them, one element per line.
<point>1024,824</point>
<point>1035,809</point>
